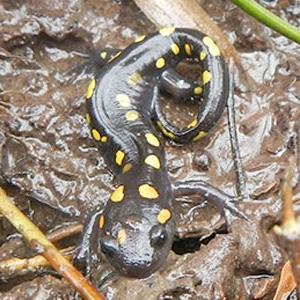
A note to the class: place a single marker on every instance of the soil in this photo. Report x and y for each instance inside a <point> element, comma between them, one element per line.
<point>52,170</point>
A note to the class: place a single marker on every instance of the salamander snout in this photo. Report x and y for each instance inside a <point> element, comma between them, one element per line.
<point>137,249</point>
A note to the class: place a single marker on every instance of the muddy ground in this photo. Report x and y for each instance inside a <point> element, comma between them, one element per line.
<point>50,167</point>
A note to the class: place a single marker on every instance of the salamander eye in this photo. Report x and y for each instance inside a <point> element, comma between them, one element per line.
<point>109,245</point>
<point>158,235</point>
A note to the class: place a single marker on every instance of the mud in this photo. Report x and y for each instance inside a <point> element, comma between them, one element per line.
<point>50,167</point>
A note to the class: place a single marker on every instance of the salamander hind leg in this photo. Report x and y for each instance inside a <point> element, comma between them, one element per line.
<point>94,61</point>
<point>99,58</point>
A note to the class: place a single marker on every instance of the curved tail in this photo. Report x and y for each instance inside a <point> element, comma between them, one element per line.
<point>213,85</point>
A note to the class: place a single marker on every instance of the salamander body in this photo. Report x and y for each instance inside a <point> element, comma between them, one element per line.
<point>136,229</point>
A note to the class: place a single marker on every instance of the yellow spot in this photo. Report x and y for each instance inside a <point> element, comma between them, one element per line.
<point>153,161</point>
<point>152,139</point>
<point>103,54</point>
<point>123,100</point>
<point>206,77</point>
<point>188,49</point>
<point>119,157</point>
<point>131,115</point>
<point>200,135</point>
<point>121,237</point>
<point>148,191</point>
<point>192,124</point>
<point>165,131</point>
<point>160,63</point>
<point>163,216</point>
<point>118,194</point>
<point>134,79</point>
<point>115,56</point>
<point>96,135</point>
<point>213,48</point>
<point>101,222</point>
<point>166,31</point>
<point>140,38</point>
<point>175,49</point>
<point>126,168</point>
<point>90,89</point>
<point>202,55</point>
<point>197,90</point>
<point>104,139</point>
<point>88,119</point>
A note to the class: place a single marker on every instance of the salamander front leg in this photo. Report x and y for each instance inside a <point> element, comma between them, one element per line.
<point>88,250</point>
<point>211,194</point>
<point>94,61</point>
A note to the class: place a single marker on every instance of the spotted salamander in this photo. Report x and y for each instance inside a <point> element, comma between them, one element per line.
<point>136,228</point>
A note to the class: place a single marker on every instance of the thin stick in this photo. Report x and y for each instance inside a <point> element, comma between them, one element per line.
<point>38,241</point>
<point>288,215</point>
<point>235,149</point>
<point>15,266</point>
<point>54,236</point>
<point>64,232</point>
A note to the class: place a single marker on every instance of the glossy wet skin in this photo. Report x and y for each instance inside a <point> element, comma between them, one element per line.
<point>136,229</point>
<point>138,247</point>
<point>137,237</point>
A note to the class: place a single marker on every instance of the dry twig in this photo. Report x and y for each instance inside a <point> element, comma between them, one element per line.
<point>38,241</point>
<point>12,267</point>
<point>289,231</point>
<point>286,282</point>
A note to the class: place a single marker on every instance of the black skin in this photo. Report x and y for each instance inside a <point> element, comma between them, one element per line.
<point>147,242</point>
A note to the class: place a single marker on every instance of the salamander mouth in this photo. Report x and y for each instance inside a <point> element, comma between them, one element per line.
<point>140,259</point>
<point>140,271</point>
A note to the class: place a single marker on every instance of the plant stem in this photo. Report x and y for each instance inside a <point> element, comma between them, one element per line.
<point>263,15</point>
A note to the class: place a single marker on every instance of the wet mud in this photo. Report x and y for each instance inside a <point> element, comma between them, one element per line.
<point>51,168</point>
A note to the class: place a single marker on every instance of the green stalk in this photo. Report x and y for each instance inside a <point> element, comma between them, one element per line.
<point>269,19</point>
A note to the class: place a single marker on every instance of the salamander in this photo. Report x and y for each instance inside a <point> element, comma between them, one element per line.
<point>136,229</point>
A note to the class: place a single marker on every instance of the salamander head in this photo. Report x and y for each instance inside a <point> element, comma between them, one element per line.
<point>138,247</point>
